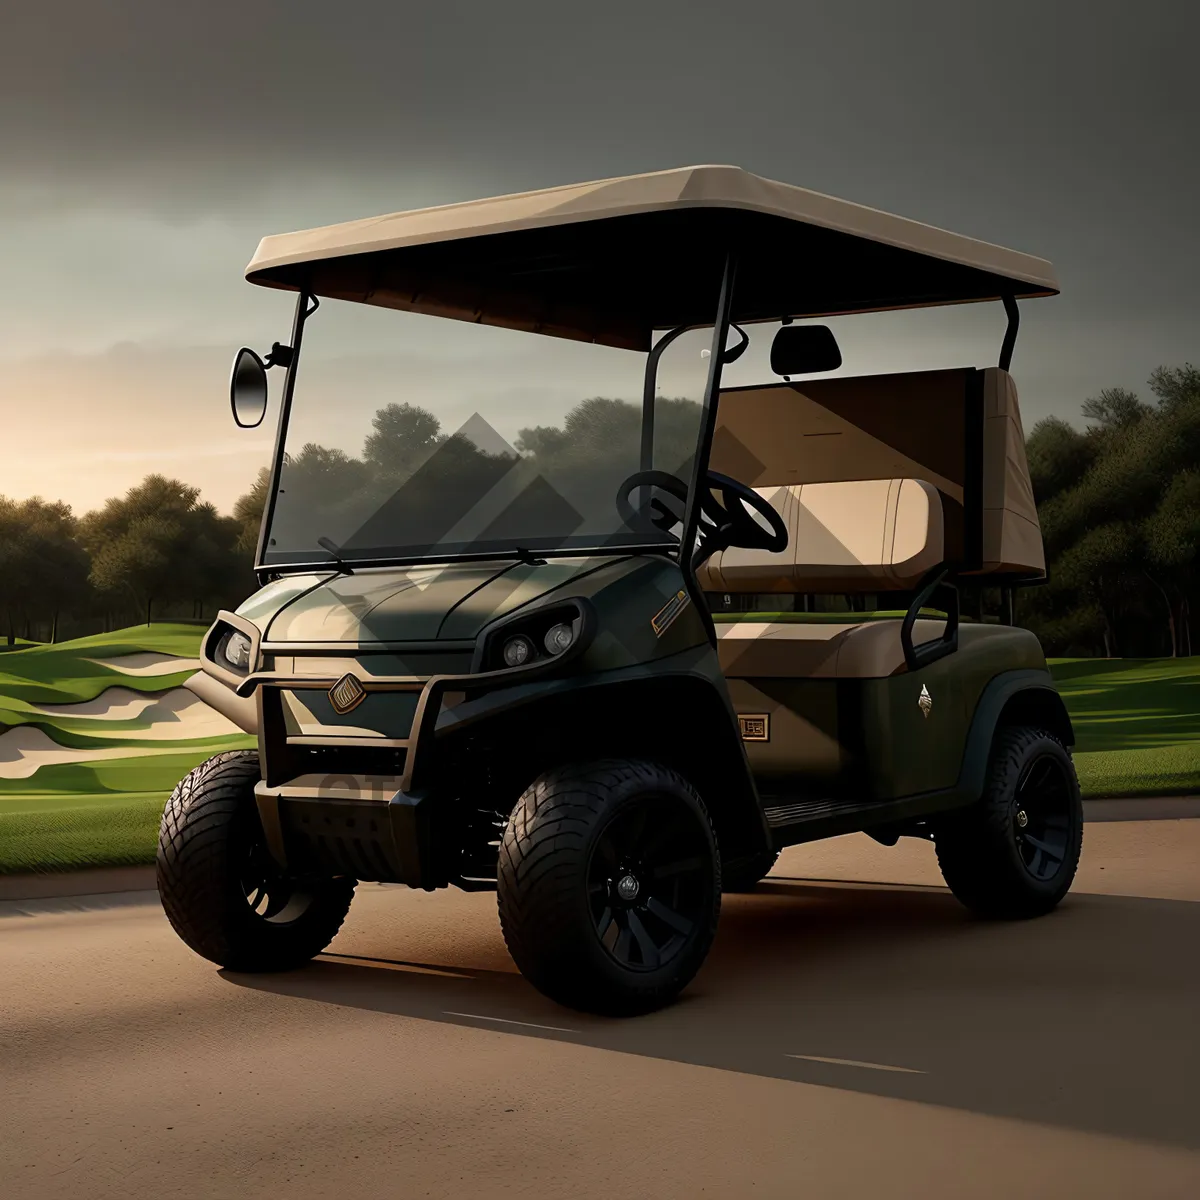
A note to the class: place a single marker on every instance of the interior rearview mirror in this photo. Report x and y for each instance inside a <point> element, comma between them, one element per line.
<point>248,389</point>
<point>804,350</point>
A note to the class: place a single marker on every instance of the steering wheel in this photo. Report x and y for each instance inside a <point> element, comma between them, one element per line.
<point>661,516</point>
<point>727,512</point>
<point>733,515</point>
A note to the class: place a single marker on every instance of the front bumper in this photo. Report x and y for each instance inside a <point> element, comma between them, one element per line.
<point>366,806</point>
<point>357,825</point>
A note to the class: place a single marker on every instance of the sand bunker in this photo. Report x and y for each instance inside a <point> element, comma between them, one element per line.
<point>176,716</point>
<point>113,704</point>
<point>147,663</point>
<point>24,749</point>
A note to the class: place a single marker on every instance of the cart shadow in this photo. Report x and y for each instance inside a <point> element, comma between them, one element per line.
<point>1083,1019</point>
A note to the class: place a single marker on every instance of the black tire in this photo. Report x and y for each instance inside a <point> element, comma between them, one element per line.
<point>577,927</point>
<point>1013,854</point>
<point>220,887</point>
<point>744,875</point>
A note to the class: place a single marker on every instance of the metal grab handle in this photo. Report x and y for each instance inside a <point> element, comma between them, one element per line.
<point>921,656</point>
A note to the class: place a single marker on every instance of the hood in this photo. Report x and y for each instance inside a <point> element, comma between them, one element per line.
<point>406,604</point>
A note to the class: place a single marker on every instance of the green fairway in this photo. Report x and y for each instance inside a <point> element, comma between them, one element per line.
<point>66,673</point>
<point>65,832</point>
<point>103,811</point>
<point>102,814</point>
<point>1137,724</point>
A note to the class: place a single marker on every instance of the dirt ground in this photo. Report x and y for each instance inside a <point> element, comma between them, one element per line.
<point>854,1034</point>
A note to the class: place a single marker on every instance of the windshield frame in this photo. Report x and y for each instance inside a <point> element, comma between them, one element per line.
<point>307,304</point>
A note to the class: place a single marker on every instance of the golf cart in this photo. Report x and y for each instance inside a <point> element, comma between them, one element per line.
<point>546,592</point>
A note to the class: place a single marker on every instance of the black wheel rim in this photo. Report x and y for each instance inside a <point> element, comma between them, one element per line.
<point>649,882</point>
<point>1042,817</point>
<point>269,895</point>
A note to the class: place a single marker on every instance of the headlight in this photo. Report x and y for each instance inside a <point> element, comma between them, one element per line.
<point>233,651</point>
<point>517,651</point>
<point>558,638</point>
<point>540,637</point>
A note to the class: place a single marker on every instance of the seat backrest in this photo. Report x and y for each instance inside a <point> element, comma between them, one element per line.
<point>860,535</point>
<point>957,429</point>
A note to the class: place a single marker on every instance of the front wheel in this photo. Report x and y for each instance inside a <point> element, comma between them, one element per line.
<point>609,886</point>
<point>219,885</point>
<point>1013,854</point>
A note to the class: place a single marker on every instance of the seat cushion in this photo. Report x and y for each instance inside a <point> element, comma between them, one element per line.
<point>860,535</point>
<point>749,649</point>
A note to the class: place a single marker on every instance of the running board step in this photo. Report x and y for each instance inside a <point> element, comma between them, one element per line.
<point>792,821</point>
<point>779,816</point>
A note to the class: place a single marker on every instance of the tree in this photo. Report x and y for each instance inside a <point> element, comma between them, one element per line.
<point>157,544</point>
<point>402,436</point>
<point>1058,457</point>
<point>1098,566</point>
<point>60,565</point>
<point>602,430</point>
<point>14,563</point>
<point>542,441</point>
<point>215,565</point>
<point>43,569</point>
<point>1171,539</point>
<point>1115,408</point>
<point>1119,507</point>
<point>1176,386</point>
<point>248,512</point>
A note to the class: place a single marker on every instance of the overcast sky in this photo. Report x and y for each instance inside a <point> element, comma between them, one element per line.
<point>145,147</point>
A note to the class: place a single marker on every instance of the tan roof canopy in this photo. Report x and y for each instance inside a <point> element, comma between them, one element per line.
<point>613,260</point>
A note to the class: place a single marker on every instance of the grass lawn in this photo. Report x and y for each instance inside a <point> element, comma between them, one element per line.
<point>1137,723</point>
<point>104,812</point>
<point>68,831</point>
<point>65,673</point>
<point>101,814</point>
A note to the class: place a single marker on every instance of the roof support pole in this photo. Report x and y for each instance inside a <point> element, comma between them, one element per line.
<point>708,422</point>
<point>1010,334</point>
<point>648,390</point>
<point>306,305</point>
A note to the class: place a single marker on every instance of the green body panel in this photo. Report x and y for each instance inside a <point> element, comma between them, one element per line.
<point>906,752</point>
<point>853,739</point>
<point>863,739</point>
<point>455,605</point>
<point>269,600</point>
<point>392,605</point>
<point>627,597</point>
<point>383,715</point>
<point>509,590</point>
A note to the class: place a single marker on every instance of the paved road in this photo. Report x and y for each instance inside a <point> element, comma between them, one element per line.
<point>1059,1058</point>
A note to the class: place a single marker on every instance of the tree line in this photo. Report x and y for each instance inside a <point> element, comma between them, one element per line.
<point>1119,505</point>
<point>156,550</point>
<point>1118,500</point>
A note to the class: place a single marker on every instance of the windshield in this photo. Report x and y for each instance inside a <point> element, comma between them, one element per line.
<point>417,437</point>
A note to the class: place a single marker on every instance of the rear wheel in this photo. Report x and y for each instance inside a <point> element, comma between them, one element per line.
<point>609,886</point>
<point>1014,853</point>
<point>221,889</point>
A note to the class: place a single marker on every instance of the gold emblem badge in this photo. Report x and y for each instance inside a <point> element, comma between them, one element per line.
<point>925,701</point>
<point>346,695</point>
<point>665,617</point>
<point>755,728</point>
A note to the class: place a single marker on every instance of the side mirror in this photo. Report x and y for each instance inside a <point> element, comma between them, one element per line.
<point>248,389</point>
<point>804,350</point>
